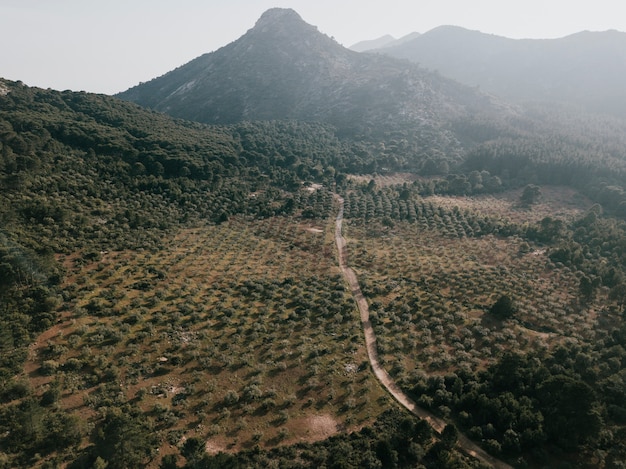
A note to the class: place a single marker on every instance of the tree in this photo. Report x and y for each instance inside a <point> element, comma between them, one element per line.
<point>386,454</point>
<point>100,463</point>
<point>550,229</point>
<point>503,308</point>
<point>449,436</point>
<point>193,450</point>
<point>586,288</point>
<point>568,405</point>
<point>125,439</point>
<point>231,398</point>
<point>62,431</point>
<point>618,294</point>
<point>458,184</point>
<point>52,394</point>
<point>169,461</point>
<point>530,195</point>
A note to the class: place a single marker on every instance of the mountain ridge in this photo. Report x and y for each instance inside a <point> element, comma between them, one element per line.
<point>384,41</point>
<point>377,43</point>
<point>583,69</point>
<point>284,68</point>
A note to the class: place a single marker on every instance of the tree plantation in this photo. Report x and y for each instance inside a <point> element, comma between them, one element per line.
<point>171,296</point>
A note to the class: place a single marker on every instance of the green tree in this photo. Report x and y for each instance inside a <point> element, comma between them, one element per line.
<point>169,461</point>
<point>194,452</point>
<point>62,431</point>
<point>568,405</point>
<point>618,294</point>
<point>125,439</point>
<point>586,288</point>
<point>503,308</point>
<point>449,436</point>
<point>100,463</point>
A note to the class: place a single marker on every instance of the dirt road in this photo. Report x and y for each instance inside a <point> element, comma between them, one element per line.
<point>464,443</point>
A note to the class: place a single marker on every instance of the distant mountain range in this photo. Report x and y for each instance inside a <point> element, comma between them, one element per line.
<point>284,68</point>
<point>586,69</point>
<point>384,41</point>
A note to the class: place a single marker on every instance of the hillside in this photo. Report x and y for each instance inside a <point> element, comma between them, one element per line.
<point>583,69</point>
<point>183,294</point>
<point>377,43</point>
<point>284,68</point>
<point>166,284</point>
<point>175,282</point>
<point>88,173</point>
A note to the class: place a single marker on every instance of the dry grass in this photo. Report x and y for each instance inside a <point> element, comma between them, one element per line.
<point>556,202</point>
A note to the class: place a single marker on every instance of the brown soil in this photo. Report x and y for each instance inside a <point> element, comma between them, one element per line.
<point>320,427</point>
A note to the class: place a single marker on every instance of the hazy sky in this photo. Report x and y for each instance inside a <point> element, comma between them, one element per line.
<point>106,46</point>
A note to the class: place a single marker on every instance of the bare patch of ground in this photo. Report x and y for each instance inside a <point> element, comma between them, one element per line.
<point>213,447</point>
<point>314,187</point>
<point>319,427</point>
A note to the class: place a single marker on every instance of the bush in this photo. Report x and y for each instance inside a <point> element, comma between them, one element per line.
<point>49,367</point>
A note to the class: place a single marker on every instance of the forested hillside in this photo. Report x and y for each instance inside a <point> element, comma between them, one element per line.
<point>89,173</point>
<point>395,115</point>
<point>171,295</point>
<point>102,203</point>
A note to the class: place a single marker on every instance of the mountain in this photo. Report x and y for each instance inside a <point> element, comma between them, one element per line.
<point>584,69</point>
<point>383,41</point>
<point>284,68</point>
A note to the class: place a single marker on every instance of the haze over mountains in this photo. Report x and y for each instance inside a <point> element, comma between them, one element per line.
<point>584,69</point>
<point>284,68</point>
<point>383,41</point>
<point>406,116</point>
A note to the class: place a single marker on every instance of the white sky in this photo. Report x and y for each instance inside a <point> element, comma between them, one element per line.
<point>106,46</point>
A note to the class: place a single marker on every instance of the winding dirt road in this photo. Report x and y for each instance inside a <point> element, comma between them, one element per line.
<point>438,424</point>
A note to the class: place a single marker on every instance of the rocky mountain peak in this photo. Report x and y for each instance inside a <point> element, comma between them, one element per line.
<point>281,19</point>
<point>277,15</point>
<point>284,68</point>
